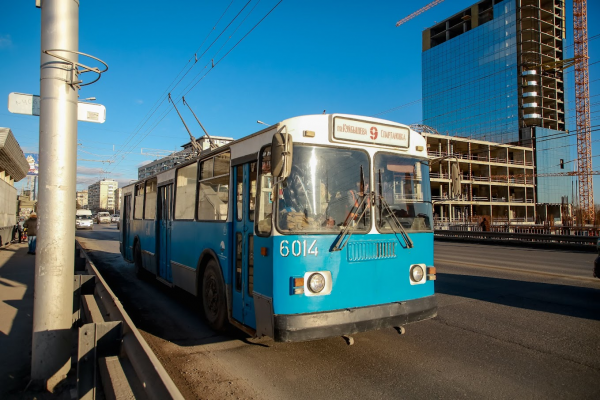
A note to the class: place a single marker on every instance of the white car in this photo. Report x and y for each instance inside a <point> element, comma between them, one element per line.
<point>104,217</point>
<point>84,222</point>
<point>115,218</point>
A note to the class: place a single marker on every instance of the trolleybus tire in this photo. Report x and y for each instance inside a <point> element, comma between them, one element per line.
<point>214,301</point>
<point>140,272</point>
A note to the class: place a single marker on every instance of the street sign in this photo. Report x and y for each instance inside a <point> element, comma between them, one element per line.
<point>29,104</point>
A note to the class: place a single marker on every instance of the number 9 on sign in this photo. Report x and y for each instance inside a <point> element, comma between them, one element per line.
<point>298,248</point>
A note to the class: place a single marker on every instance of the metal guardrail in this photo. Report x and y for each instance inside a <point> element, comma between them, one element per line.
<point>110,346</point>
<point>524,238</point>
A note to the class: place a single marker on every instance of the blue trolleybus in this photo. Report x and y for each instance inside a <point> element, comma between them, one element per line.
<point>317,226</point>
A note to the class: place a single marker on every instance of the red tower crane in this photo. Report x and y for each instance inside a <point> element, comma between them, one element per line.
<point>582,110</point>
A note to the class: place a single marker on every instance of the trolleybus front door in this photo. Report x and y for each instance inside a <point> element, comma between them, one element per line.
<point>243,242</point>
<point>163,247</point>
<point>125,223</point>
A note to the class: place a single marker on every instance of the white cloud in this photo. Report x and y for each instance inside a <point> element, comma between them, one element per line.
<point>138,101</point>
<point>145,162</point>
<point>89,171</point>
<point>5,41</point>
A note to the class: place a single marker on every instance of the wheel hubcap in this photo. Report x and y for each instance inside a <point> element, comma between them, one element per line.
<point>212,295</point>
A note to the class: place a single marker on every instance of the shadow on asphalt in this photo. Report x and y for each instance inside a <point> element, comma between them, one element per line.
<point>168,313</point>
<point>573,301</point>
<point>15,347</point>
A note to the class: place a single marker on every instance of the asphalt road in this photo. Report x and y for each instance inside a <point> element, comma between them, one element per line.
<point>512,323</point>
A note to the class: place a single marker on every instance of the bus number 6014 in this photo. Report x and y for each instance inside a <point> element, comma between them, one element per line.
<point>298,248</point>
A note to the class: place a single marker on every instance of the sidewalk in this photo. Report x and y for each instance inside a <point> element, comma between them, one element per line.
<point>17,270</point>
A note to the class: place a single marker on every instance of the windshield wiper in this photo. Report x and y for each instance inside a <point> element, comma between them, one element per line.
<point>341,243</point>
<point>383,203</point>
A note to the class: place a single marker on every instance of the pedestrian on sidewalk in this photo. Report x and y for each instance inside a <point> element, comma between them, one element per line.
<point>20,228</point>
<point>31,226</point>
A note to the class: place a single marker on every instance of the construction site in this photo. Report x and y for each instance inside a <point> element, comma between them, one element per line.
<point>494,109</point>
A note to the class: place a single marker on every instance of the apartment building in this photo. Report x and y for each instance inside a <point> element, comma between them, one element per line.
<point>82,199</point>
<point>101,195</point>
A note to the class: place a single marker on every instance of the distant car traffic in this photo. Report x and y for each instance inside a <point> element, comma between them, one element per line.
<point>115,218</point>
<point>83,222</point>
<point>104,217</point>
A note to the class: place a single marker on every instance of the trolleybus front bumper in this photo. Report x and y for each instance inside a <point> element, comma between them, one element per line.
<point>301,327</point>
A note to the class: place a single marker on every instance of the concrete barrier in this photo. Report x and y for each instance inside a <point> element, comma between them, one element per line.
<point>111,347</point>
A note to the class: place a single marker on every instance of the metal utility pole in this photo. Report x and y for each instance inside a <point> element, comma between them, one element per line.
<point>582,110</point>
<point>53,296</point>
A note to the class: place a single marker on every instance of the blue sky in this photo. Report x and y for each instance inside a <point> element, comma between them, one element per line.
<point>305,57</point>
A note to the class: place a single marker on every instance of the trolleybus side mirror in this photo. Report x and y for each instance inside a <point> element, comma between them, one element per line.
<point>281,155</point>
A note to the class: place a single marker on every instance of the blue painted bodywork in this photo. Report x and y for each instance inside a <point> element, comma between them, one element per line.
<point>355,284</point>
<point>190,238</point>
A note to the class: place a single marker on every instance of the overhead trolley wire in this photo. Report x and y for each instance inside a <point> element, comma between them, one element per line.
<point>213,42</point>
<point>161,99</point>
<point>168,110</point>
<point>230,50</point>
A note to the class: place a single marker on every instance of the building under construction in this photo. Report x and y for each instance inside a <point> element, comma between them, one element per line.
<point>494,180</point>
<point>494,72</point>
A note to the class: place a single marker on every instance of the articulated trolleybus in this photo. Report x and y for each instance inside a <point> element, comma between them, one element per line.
<point>317,226</point>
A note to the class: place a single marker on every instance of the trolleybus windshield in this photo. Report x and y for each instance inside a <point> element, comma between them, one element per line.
<point>405,188</point>
<point>322,193</point>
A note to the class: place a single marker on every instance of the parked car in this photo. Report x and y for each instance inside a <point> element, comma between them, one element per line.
<point>115,218</point>
<point>83,222</point>
<point>103,217</point>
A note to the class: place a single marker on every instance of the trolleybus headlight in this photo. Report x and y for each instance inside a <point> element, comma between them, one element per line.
<point>416,273</point>
<point>316,283</point>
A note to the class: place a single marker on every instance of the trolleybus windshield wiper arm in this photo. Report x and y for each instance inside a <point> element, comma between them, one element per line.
<point>340,243</point>
<point>349,229</point>
<point>384,204</point>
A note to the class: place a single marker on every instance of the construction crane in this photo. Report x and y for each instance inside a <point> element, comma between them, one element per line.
<point>582,110</point>
<point>421,11</point>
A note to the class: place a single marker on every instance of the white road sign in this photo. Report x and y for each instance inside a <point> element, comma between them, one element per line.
<point>29,104</point>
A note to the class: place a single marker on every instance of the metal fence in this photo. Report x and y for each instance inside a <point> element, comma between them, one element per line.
<point>111,350</point>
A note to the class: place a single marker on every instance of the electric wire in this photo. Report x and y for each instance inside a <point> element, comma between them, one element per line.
<point>161,99</point>
<point>161,118</point>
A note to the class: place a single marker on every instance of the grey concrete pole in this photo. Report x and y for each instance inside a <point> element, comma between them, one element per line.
<point>54,263</point>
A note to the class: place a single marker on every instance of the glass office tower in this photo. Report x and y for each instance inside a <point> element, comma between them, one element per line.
<point>470,80</point>
<point>483,79</point>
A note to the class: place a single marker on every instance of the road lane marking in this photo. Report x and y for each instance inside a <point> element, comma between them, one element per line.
<point>465,264</point>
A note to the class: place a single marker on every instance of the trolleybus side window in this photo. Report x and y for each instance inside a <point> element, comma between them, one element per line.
<point>265,196</point>
<point>150,204</point>
<point>185,196</point>
<point>138,210</point>
<point>239,179</point>
<point>213,189</point>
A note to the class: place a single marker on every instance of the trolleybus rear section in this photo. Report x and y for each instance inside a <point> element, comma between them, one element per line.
<point>319,226</point>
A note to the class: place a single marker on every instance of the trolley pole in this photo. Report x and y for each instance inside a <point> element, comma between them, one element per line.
<point>54,263</point>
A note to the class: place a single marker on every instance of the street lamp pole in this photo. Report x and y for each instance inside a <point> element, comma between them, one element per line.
<point>55,253</point>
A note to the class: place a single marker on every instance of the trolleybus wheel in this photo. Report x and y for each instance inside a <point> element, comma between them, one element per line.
<point>213,297</point>
<point>140,272</point>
